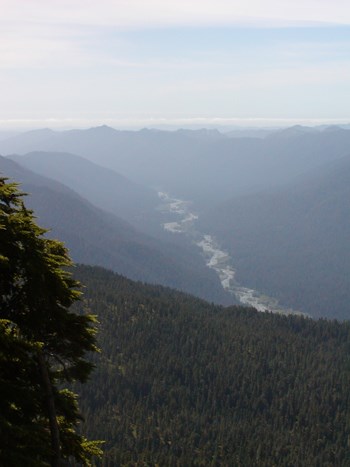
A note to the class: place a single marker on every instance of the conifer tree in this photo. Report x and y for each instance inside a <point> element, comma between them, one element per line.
<point>42,343</point>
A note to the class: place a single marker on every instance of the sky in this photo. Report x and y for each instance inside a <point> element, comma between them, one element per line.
<point>153,63</point>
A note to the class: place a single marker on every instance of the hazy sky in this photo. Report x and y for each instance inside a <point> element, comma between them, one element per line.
<point>147,62</point>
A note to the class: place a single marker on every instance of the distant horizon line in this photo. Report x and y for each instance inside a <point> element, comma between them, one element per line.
<point>61,124</point>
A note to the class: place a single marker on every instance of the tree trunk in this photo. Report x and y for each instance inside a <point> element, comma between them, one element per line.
<point>54,430</point>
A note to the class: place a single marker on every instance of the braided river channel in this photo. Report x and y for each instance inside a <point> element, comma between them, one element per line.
<point>180,220</point>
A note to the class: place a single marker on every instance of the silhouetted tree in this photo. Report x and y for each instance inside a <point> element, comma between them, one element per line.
<point>42,342</point>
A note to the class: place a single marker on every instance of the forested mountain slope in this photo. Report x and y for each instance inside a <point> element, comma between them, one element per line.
<point>182,382</point>
<point>293,242</point>
<point>103,187</point>
<point>97,237</point>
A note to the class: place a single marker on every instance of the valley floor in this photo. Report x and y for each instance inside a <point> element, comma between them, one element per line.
<point>183,221</point>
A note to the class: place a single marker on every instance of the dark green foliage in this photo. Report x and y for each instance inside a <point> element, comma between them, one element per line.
<point>42,343</point>
<point>21,439</point>
<point>181,382</point>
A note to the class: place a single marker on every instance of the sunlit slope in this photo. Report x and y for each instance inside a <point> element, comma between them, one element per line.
<point>182,382</point>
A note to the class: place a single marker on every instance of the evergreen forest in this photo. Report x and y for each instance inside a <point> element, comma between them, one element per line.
<point>181,382</point>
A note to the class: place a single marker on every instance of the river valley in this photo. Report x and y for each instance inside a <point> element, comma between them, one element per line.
<point>179,219</point>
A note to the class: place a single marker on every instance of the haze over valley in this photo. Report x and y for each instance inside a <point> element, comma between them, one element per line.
<point>276,207</point>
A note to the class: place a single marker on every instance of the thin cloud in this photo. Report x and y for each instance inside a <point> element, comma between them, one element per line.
<point>39,33</point>
<point>87,58</point>
<point>163,13</point>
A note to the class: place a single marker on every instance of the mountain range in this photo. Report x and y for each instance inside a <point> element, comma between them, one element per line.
<point>204,165</point>
<point>277,204</point>
<point>95,236</point>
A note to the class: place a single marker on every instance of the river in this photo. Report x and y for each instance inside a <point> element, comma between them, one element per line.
<point>183,221</point>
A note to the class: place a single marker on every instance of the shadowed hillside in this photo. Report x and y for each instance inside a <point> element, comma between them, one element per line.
<point>293,242</point>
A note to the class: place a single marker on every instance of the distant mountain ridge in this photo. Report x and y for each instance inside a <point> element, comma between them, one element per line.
<point>150,157</point>
<point>203,166</point>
